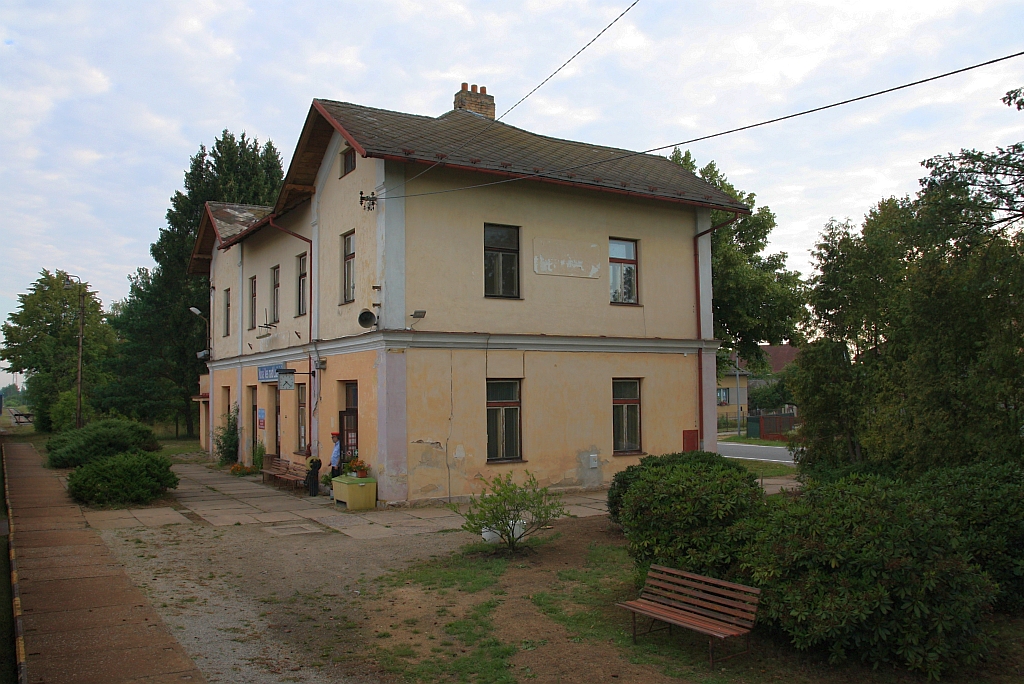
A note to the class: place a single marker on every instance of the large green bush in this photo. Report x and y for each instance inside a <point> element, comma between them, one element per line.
<point>99,440</point>
<point>684,515</point>
<point>625,478</point>
<point>134,477</point>
<point>226,440</point>
<point>987,502</point>
<point>864,567</point>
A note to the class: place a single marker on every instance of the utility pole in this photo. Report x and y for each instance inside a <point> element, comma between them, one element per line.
<point>81,337</point>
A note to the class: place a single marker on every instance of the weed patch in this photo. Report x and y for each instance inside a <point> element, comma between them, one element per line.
<point>474,568</point>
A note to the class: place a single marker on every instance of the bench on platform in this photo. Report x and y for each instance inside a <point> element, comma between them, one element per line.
<point>20,418</point>
<point>281,469</point>
<point>710,606</point>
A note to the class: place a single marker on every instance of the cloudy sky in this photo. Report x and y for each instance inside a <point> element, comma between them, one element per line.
<point>102,103</point>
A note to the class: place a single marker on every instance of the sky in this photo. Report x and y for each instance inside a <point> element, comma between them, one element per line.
<point>103,103</point>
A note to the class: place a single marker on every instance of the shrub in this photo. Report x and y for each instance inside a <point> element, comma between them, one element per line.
<point>987,502</point>
<point>862,566</point>
<point>684,515</point>
<point>624,478</point>
<point>99,440</point>
<point>258,452</point>
<point>133,477</point>
<point>226,438</point>
<point>512,511</point>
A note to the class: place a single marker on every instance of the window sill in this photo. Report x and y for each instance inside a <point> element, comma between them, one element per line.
<point>629,453</point>
<point>513,299</point>
<point>348,302</point>
<point>626,304</point>
<point>300,315</point>
<point>507,460</point>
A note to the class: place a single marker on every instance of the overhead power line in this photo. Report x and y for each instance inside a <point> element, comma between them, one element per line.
<point>529,176</point>
<point>523,98</point>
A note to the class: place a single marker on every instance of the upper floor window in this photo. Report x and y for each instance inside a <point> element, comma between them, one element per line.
<point>252,303</point>
<point>302,285</point>
<point>275,299</point>
<point>626,415</point>
<point>503,420</point>
<point>348,287</point>
<point>501,261</point>
<point>348,162</point>
<point>622,271</point>
<point>723,396</point>
<point>227,312</point>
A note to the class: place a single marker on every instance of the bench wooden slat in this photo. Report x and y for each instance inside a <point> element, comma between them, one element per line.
<point>748,603</point>
<point>723,588</point>
<point>744,619</point>
<point>704,626</point>
<point>742,588</point>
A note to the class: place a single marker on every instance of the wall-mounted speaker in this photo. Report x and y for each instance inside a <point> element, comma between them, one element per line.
<point>367,318</point>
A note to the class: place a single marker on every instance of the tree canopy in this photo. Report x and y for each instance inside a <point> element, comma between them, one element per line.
<point>41,340</point>
<point>919,352</point>
<point>156,366</point>
<point>755,298</point>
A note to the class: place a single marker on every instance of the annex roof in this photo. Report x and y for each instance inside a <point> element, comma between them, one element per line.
<point>465,140</point>
<point>221,222</point>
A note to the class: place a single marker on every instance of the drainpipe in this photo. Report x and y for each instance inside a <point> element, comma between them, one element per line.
<point>700,331</point>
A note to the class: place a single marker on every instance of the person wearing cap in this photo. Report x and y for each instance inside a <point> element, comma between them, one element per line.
<point>336,455</point>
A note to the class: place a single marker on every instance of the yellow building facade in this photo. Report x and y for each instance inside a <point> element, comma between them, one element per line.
<point>452,334</point>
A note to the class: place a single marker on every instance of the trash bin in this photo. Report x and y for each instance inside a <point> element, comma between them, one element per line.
<point>358,493</point>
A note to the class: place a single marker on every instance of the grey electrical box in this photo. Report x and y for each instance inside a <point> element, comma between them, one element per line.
<point>593,461</point>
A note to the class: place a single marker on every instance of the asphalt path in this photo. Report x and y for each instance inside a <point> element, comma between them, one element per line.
<point>755,451</point>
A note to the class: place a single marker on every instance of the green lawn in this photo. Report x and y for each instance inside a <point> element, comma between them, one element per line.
<point>766,468</point>
<point>183,445</point>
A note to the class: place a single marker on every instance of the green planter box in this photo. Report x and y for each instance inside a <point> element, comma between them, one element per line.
<point>358,493</point>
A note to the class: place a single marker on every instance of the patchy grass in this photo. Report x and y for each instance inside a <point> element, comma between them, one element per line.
<point>753,440</point>
<point>474,568</point>
<point>471,655</point>
<point>766,468</point>
<point>177,447</point>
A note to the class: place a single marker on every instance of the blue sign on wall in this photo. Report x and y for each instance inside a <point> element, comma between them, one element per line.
<point>268,373</point>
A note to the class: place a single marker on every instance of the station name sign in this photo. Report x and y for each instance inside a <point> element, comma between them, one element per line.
<point>268,373</point>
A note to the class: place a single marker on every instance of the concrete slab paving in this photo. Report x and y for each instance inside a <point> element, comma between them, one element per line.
<point>276,517</point>
<point>155,517</point>
<point>289,530</point>
<point>223,520</point>
<point>429,513</point>
<point>83,619</point>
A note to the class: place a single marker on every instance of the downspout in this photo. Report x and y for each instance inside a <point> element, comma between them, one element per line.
<point>309,313</point>
<point>700,331</point>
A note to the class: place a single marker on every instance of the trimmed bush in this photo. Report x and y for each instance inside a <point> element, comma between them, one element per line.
<point>863,566</point>
<point>987,502</point>
<point>684,515</point>
<point>134,477</point>
<point>99,440</point>
<point>624,478</point>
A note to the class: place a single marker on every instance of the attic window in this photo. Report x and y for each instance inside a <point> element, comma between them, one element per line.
<point>348,162</point>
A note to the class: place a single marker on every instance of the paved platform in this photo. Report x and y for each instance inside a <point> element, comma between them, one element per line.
<point>84,621</point>
<point>223,499</point>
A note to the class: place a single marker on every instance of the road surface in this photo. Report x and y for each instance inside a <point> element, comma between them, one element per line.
<point>755,451</point>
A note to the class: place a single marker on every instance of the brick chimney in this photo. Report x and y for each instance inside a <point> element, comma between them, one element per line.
<point>478,102</point>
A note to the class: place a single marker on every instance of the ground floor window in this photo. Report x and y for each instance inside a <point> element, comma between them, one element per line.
<point>300,393</point>
<point>723,396</point>
<point>503,421</point>
<point>626,415</point>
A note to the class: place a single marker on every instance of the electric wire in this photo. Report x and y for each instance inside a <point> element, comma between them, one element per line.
<point>529,176</point>
<point>521,100</point>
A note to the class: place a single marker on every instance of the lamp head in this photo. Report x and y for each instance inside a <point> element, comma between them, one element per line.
<point>196,311</point>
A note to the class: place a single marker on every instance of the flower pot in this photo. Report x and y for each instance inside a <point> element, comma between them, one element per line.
<point>360,473</point>
<point>492,537</point>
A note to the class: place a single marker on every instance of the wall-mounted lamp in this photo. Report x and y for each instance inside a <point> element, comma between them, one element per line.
<point>419,313</point>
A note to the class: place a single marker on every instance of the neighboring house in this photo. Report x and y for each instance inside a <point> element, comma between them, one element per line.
<point>560,324</point>
<point>732,393</point>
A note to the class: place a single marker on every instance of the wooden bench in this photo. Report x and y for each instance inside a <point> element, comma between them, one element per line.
<point>710,606</point>
<point>20,418</point>
<point>280,469</point>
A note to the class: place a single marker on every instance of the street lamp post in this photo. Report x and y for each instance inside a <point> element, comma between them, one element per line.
<point>199,313</point>
<point>81,336</point>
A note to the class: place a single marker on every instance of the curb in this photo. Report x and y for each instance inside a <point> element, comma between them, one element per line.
<point>19,635</point>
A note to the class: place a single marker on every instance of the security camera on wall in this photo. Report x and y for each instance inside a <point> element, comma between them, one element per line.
<point>367,318</point>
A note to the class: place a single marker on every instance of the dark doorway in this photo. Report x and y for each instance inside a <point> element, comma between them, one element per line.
<point>349,422</point>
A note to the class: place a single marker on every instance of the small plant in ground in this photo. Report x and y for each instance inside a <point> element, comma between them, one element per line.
<point>511,511</point>
<point>226,438</point>
<point>134,477</point>
<point>258,452</point>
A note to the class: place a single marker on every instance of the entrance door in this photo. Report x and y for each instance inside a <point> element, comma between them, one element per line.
<point>349,422</point>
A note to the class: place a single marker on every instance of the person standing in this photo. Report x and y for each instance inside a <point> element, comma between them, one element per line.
<point>336,455</point>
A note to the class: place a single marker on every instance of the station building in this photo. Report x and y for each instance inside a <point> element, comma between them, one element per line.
<point>460,298</point>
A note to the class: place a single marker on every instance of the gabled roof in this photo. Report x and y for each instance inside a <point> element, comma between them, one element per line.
<point>465,140</point>
<point>221,221</point>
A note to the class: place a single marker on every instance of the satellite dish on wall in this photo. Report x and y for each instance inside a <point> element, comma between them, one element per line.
<point>367,318</point>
